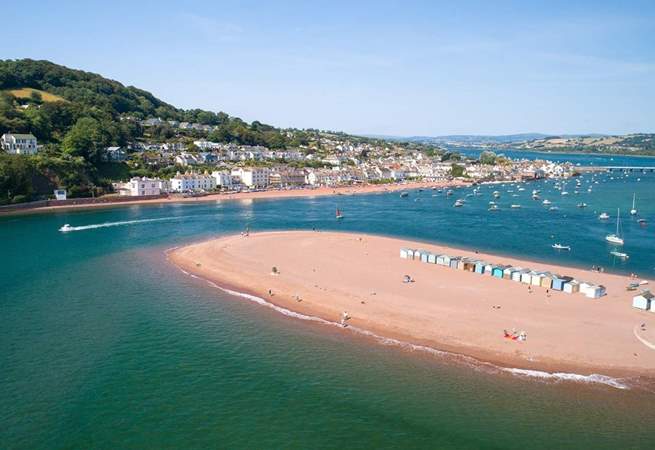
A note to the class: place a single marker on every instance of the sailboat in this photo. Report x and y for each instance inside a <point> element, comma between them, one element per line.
<point>633,211</point>
<point>339,214</point>
<point>616,238</point>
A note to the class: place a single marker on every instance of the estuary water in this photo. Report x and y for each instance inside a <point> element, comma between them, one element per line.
<point>105,345</point>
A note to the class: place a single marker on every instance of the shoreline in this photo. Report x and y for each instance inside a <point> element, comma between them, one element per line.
<point>478,340</point>
<point>268,194</point>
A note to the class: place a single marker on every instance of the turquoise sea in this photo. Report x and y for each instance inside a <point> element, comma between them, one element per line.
<point>105,345</point>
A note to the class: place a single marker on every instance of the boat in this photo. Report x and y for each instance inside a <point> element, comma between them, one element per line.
<point>546,202</point>
<point>458,203</point>
<point>404,194</point>
<point>515,206</point>
<point>496,194</point>
<point>616,237</point>
<point>619,254</point>
<point>66,228</point>
<point>582,205</point>
<point>449,193</point>
<point>553,208</point>
<point>633,211</point>
<point>641,222</point>
<point>535,197</point>
<point>604,216</point>
<point>338,214</point>
<point>561,247</point>
<point>494,207</point>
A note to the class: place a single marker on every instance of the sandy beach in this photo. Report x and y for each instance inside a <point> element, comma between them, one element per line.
<point>268,194</point>
<point>447,309</point>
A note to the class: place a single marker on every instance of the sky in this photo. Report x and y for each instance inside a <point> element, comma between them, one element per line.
<point>405,68</point>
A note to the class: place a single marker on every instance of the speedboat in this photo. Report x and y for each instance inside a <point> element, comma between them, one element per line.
<point>582,205</point>
<point>546,202</point>
<point>604,216</point>
<point>66,228</point>
<point>458,203</point>
<point>515,206</point>
<point>496,194</point>
<point>449,193</point>
<point>404,194</point>
<point>553,208</point>
<point>494,208</point>
<point>619,254</point>
<point>641,222</point>
<point>561,247</point>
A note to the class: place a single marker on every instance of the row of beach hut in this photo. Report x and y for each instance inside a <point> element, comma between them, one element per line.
<point>530,277</point>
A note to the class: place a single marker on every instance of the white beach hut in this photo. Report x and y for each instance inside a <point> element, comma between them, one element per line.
<point>584,286</point>
<point>516,274</point>
<point>404,253</point>
<point>442,261</point>
<point>536,279</point>
<point>507,273</point>
<point>571,287</point>
<point>644,301</point>
<point>526,277</point>
<point>595,291</point>
<point>488,269</point>
<point>432,258</point>
<point>425,255</point>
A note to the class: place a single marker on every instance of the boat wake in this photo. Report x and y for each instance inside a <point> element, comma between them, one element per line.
<point>67,228</point>
<point>556,377</point>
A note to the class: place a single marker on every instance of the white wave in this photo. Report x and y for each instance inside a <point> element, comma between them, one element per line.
<point>556,376</point>
<point>565,376</point>
<point>118,224</point>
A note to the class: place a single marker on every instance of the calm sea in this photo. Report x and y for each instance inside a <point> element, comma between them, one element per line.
<point>105,345</point>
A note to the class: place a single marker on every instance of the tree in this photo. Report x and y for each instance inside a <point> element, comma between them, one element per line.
<point>487,157</point>
<point>457,171</point>
<point>84,139</point>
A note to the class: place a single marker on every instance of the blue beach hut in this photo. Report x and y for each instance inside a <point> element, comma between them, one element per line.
<point>479,267</point>
<point>497,271</point>
<point>559,281</point>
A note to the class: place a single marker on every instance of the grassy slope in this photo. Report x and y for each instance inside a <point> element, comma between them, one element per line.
<point>26,92</point>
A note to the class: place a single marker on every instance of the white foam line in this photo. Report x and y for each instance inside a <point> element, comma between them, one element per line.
<point>642,340</point>
<point>475,363</point>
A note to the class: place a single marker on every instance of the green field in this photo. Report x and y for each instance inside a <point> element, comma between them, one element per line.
<point>27,92</point>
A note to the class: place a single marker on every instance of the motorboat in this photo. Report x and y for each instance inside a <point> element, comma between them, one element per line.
<point>582,205</point>
<point>66,228</point>
<point>458,203</point>
<point>561,247</point>
<point>404,194</point>
<point>546,202</point>
<point>496,194</point>
<point>619,254</point>
<point>494,207</point>
<point>604,216</point>
<point>515,206</point>
<point>642,222</point>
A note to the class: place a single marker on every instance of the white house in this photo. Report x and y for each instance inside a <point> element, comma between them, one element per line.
<point>644,301</point>
<point>223,178</point>
<point>138,187</point>
<point>192,182</point>
<point>114,154</point>
<point>253,176</point>
<point>19,144</point>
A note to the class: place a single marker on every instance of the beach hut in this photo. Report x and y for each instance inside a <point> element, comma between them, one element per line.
<point>460,263</point>
<point>526,277</point>
<point>547,280</point>
<point>432,258</point>
<point>571,287</point>
<point>558,282</point>
<point>584,286</point>
<point>469,265</point>
<point>443,260</point>
<point>644,301</point>
<point>516,274</point>
<point>497,271</point>
<point>410,253</point>
<point>425,256</point>
<point>595,291</point>
<point>404,253</point>
<point>507,272</point>
<point>479,267</point>
<point>454,262</point>
<point>488,269</point>
<point>536,279</point>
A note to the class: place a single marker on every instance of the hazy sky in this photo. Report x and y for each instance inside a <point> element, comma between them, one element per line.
<point>378,67</point>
